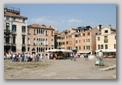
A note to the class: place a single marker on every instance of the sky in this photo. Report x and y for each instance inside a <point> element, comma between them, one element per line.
<point>64,16</point>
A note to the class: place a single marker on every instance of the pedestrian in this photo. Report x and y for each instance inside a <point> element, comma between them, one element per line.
<point>71,55</point>
<point>75,56</point>
<point>86,56</point>
<point>100,58</point>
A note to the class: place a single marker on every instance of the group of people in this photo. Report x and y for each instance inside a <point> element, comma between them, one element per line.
<point>24,57</point>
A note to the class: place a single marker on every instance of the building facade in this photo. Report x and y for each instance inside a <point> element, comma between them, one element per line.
<point>86,39</point>
<point>82,38</point>
<point>65,39</point>
<point>15,31</point>
<point>106,41</point>
<point>40,39</point>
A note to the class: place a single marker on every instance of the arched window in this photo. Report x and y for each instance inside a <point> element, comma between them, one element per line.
<point>28,42</point>
<point>41,49</point>
<point>34,41</point>
<point>41,31</point>
<point>37,49</point>
<point>37,41</point>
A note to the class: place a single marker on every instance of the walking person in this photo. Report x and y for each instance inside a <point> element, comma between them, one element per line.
<point>75,56</point>
<point>71,55</point>
<point>86,56</point>
<point>100,58</point>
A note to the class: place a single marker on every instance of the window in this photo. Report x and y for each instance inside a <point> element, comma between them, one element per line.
<point>76,48</point>
<point>76,41</point>
<point>88,47</point>
<point>24,20</point>
<point>114,46</point>
<point>23,29</point>
<point>83,34</point>
<point>14,39</point>
<point>105,37</point>
<point>37,31</point>
<point>37,49</point>
<point>88,33</point>
<point>106,46</point>
<point>28,49</point>
<point>14,48</point>
<point>14,28</point>
<point>46,32</point>
<point>23,48</point>
<point>98,46</point>
<point>115,37</point>
<point>101,46</point>
<point>79,47</point>
<point>52,32</point>
<point>28,41</point>
<point>34,31</point>
<point>7,18</point>
<point>87,40</point>
<point>7,26</point>
<point>98,38</point>
<point>23,39</point>
<point>66,42</point>
<point>84,47</point>
<point>106,31</point>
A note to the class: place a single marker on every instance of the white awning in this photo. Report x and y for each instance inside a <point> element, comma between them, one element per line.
<point>83,52</point>
<point>107,50</point>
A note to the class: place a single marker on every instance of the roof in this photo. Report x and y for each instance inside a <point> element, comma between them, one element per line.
<point>41,26</point>
<point>13,14</point>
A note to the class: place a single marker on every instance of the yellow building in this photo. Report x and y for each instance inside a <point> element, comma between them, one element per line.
<point>106,41</point>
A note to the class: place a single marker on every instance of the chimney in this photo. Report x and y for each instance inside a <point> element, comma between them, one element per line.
<point>99,27</point>
<point>110,26</point>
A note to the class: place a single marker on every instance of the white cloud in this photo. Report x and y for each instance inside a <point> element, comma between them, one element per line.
<point>42,20</point>
<point>74,21</point>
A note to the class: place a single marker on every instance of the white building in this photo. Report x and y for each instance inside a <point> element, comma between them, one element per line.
<point>15,31</point>
<point>106,41</point>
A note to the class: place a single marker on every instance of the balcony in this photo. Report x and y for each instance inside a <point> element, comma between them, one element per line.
<point>23,33</point>
<point>13,44</point>
<point>7,44</point>
<point>23,44</point>
<point>14,32</point>
<point>28,44</point>
<point>105,40</point>
<point>7,30</point>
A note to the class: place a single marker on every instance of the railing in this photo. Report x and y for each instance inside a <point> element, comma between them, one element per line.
<point>7,43</point>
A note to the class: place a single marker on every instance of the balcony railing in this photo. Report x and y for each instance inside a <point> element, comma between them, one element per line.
<point>23,33</point>
<point>23,44</point>
<point>7,44</point>
<point>28,44</point>
<point>13,32</point>
<point>13,44</point>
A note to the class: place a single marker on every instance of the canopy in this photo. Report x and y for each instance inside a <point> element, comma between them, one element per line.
<point>107,50</point>
<point>59,50</point>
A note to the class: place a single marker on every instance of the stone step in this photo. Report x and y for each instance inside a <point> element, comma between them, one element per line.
<point>108,68</point>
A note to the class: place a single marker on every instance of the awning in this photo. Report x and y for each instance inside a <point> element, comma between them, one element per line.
<point>83,52</point>
<point>107,50</point>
